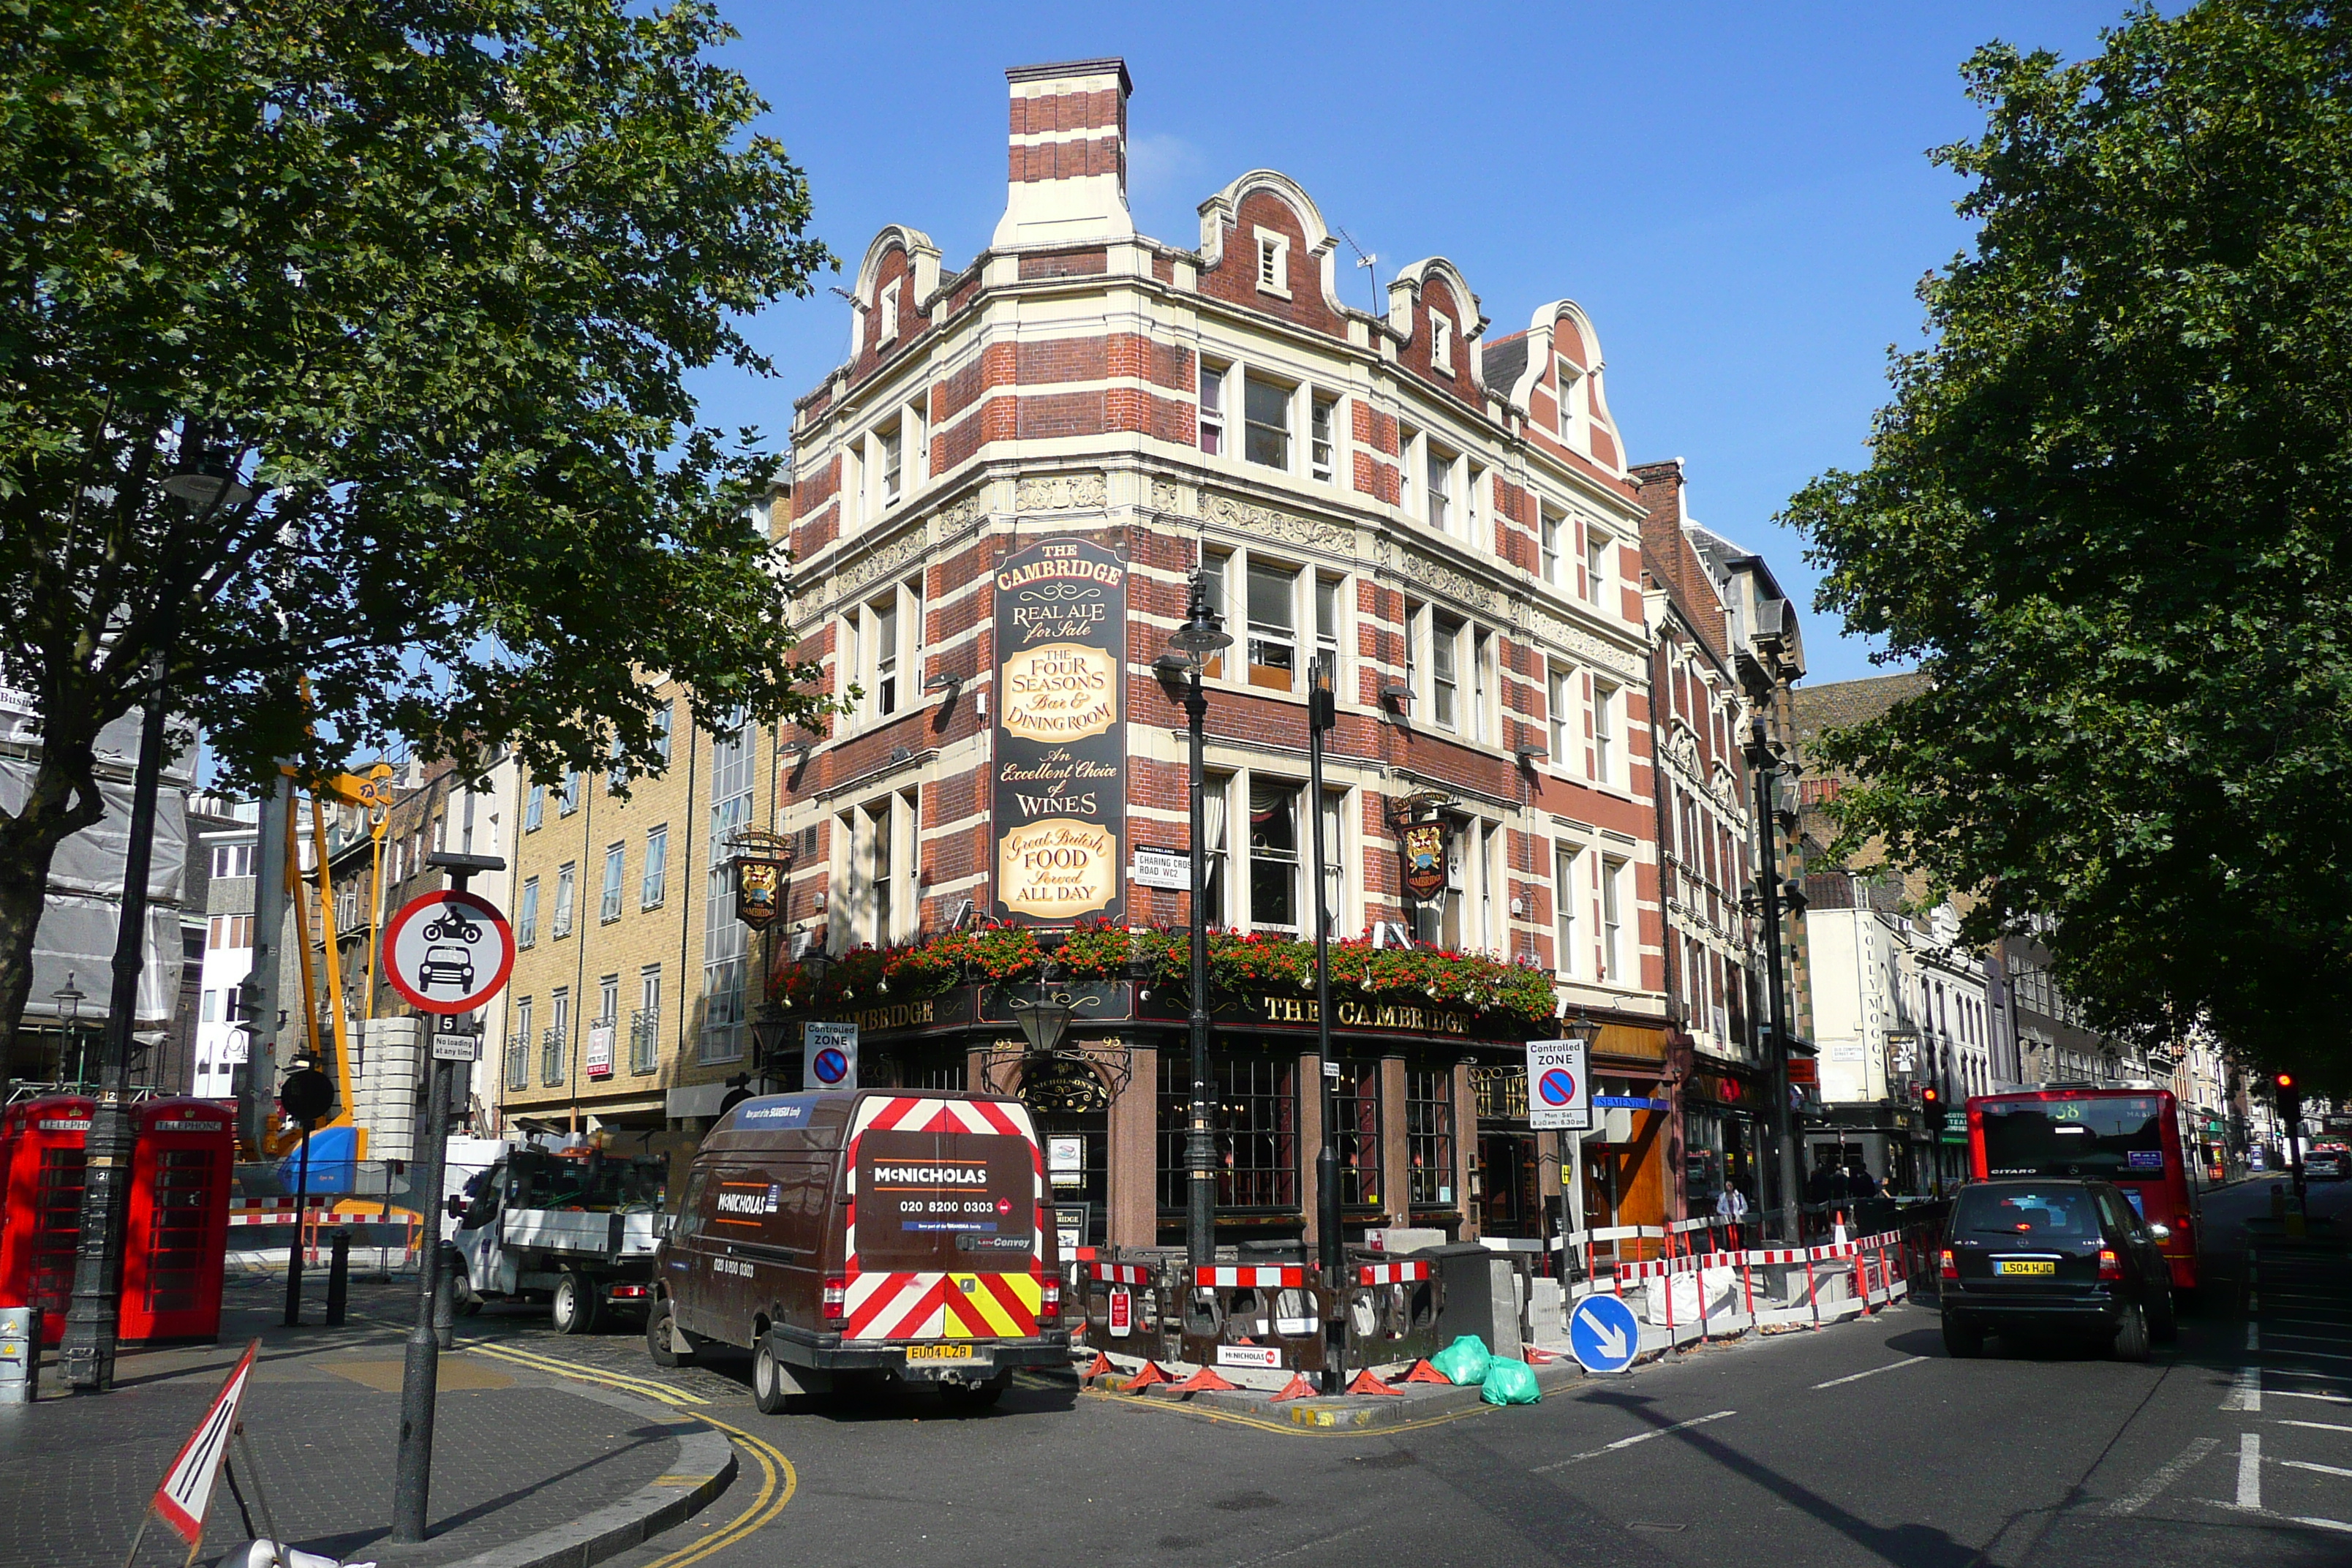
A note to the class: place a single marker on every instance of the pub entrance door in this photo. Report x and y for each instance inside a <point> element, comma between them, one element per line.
<point>1510,1194</point>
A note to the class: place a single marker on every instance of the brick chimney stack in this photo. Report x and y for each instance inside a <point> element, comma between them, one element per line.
<point>1067,175</point>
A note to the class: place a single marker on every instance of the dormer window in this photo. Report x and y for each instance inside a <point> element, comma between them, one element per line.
<point>1273,264</point>
<point>1441,343</point>
<point>1569,390</point>
<point>885,314</point>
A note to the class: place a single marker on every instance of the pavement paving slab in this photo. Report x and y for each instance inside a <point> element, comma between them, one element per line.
<point>515,1453</point>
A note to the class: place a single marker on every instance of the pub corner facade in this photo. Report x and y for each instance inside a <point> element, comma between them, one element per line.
<point>994,513</point>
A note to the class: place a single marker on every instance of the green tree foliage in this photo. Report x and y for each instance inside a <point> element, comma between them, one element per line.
<point>430,274</point>
<point>2107,512</point>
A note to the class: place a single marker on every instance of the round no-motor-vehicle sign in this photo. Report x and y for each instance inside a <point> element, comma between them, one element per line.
<point>447,951</point>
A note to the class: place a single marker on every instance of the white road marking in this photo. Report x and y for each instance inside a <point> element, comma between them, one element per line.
<point>2292,1394</point>
<point>2316,1339</point>
<point>2253,1336</point>
<point>1874,1372</point>
<point>1314,1546</point>
<point>2307,1465</point>
<point>2146,1492</point>
<point>2321,1523</point>
<point>2291,1372</point>
<point>1629,1442</point>
<point>2249,1469</point>
<point>2315,1426</point>
<point>2315,1355</point>
<point>2246,1394</point>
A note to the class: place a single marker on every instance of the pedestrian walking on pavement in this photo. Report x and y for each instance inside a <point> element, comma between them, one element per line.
<point>1731,1209</point>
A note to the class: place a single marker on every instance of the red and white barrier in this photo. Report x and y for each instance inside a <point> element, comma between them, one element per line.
<point>1392,1273</point>
<point>1120,1273</point>
<point>1264,1277</point>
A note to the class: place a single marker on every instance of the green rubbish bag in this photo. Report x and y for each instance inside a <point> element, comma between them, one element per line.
<point>1463,1361</point>
<point>1509,1382</point>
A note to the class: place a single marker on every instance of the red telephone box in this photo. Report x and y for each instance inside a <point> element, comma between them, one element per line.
<point>176,1238</point>
<point>44,1139</point>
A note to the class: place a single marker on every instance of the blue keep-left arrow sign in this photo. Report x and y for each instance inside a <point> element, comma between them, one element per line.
<point>1603,1333</point>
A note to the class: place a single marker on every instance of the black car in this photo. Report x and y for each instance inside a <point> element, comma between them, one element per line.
<point>2028,1256</point>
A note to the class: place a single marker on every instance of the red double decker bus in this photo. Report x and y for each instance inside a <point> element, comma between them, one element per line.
<point>2127,1136</point>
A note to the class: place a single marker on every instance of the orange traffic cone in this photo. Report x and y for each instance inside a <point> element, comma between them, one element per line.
<point>1148,1376</point>
<point>1367,1384</point>
<point>1539,1358</point>
<point>1100,1367</point>
<point>1204,1381</point>
<point>1424,1372</point>
<point>1296,1388</point>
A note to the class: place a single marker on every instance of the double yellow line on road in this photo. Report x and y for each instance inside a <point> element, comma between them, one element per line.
<point>644,1387</point>
<point>778,1480</point>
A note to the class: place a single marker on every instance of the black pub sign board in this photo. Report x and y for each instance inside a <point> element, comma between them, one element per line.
<point>1060,797</point>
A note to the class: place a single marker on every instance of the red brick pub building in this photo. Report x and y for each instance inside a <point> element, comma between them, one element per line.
<point>996,506</point>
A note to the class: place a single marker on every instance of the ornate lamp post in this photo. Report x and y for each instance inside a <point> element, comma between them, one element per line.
<point>1766,765</point>
<point>86,1353</point>
<point>1189,649</point>
<point>1043,1016</point>
<point>68,998</point>
<point>1332,1250</point>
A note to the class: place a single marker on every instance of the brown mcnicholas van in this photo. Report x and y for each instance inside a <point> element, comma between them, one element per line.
<point>889,1233</point>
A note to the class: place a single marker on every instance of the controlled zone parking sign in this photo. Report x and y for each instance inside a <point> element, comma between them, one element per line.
<point>1560,1094</point>
<point>1603,1333</point>
<point>447,951</point>
<point>830,1053</point>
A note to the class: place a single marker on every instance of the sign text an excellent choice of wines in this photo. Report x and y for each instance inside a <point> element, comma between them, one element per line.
<point>1061,759</point>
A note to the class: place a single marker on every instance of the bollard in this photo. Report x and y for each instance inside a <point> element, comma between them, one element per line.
<point>20,1355</point>
<point>339,1276</point>
<point>445,1297</point>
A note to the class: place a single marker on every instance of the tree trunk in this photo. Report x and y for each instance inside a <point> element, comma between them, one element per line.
<point>64,800</point>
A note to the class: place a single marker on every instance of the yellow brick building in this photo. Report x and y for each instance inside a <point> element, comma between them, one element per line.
<point>632,981</point>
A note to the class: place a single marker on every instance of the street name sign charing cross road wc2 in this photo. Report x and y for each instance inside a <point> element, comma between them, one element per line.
<point>448,951</point>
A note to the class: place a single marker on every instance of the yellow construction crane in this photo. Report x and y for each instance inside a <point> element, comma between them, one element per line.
<point>372,792</point>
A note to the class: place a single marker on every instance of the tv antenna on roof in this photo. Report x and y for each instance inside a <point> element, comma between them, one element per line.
<point>1365,259</point>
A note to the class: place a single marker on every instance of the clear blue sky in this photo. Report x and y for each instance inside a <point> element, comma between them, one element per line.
<point>1737,194</point>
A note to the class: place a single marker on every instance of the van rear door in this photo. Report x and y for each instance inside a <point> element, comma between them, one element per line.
<point>945,1239</point>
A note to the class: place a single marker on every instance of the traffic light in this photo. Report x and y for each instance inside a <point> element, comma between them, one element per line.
<point>1931,1098</point>
<point>2287,1095</point>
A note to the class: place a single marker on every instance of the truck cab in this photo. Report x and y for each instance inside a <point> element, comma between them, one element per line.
<point>576,1228</point>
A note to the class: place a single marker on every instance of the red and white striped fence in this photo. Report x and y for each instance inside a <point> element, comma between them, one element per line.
<point>1261,1276</point>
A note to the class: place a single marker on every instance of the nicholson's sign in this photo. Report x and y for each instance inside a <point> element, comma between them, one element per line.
<point>1061,757</point>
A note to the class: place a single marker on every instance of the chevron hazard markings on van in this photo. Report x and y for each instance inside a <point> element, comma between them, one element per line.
<point>930,1305</point>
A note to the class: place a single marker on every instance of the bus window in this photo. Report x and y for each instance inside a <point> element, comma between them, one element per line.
<point>2105,1139</point>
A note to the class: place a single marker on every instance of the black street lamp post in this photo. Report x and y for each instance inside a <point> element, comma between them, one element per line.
<point>1331,1248</point>
<point>68,998</point>
<point>86,1356</point>
<point>1190,648</point>
<point>1765,763</point>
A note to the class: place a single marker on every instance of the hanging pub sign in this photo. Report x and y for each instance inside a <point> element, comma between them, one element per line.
<point>1062,1086</point>
<point>1060,796</point>
<point>758,890</point>
<point>1423,847</point>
